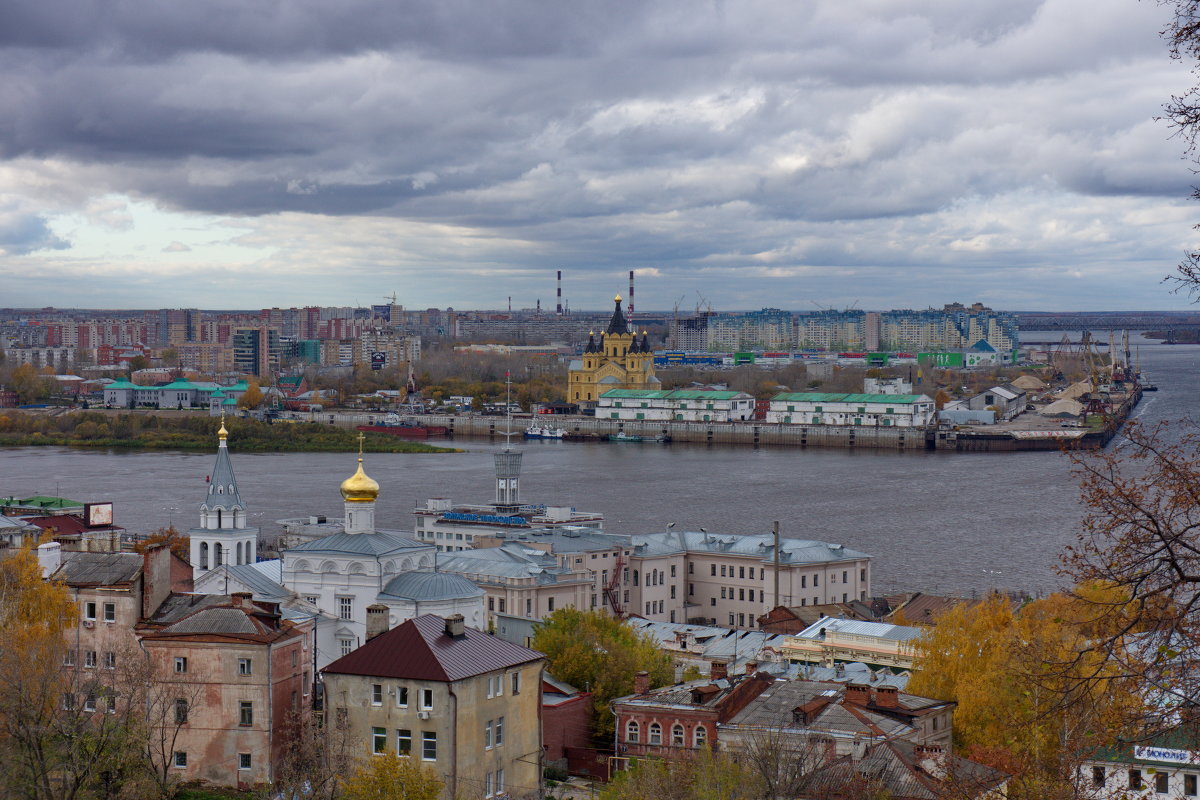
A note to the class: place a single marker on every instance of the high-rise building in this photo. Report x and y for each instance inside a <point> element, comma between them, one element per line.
<point>257,351</point>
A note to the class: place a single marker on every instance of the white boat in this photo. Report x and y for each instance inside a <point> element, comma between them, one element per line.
<point>544,432</point>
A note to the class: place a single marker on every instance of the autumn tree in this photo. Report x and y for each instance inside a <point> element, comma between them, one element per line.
<point>1027,703</point>
<point>388,777</point>
<point>252,397</point>
<point>1141,537</point>
<point>600,654</point>
<point>180,544</point>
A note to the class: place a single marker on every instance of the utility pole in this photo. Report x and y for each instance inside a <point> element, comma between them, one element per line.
<point>775,531</point>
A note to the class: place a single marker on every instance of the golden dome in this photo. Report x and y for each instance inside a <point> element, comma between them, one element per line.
<point>617,298</point>
<point>360,487</point>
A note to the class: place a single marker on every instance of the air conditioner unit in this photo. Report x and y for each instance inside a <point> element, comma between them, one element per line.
<point>89,623</point>
<point>422,715</point>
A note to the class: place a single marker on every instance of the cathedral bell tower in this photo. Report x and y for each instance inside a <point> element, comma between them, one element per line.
<point>222,536</point>
<point>360,491</point>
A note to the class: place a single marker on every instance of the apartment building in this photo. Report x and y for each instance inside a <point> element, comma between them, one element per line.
<point>462,701</point>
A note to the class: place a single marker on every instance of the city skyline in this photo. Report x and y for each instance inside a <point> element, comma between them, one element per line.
<point>763,155</point>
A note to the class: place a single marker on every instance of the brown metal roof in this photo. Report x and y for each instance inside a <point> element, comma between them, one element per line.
<point>420,650</point>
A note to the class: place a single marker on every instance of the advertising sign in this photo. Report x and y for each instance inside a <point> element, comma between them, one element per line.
<point>378,360</point>
<point>98,515</point>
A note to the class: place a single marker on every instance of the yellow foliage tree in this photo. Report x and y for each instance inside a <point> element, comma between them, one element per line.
<point>389,777</point>
<point>1027,703</point>
<point>252,397</point>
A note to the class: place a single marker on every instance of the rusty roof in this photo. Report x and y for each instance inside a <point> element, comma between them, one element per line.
<point>99,569</point>
<point>420,650</point>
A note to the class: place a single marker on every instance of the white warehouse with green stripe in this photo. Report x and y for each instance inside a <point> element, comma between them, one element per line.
<point>680,405</point>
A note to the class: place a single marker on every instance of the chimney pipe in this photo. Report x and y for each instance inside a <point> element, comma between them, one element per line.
<point>455,627</point>
<point>641,683</point>
<point>631,295</point>
<point>719,670</point>
<point>377,620</point>
<point>49,557</point>
<point>241,599</point>
<point>559,310</point>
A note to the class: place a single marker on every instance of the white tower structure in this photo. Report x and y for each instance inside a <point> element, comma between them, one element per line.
<point>222,536</point>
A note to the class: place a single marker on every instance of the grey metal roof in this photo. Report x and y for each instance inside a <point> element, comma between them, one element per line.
<point>880,630</point>
<point>773,709</point>
<point>568,540</point>
<point>759,546</point>
<point>9,524</point>
<point>430,586</point>
<point>510,560</point>
<point>258,584</point>
<point>362,544</point>
<point>222,485</point>
<point>99,569</point>
<point>214,620</point>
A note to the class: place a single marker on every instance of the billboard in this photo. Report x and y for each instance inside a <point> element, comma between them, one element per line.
<point>98,515</point>
<point>378,360</point>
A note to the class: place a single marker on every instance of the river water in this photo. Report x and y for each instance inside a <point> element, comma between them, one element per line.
<point>936,522</point>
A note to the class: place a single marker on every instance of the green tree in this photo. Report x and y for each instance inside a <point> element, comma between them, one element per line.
<point>389,777</point>
<point>601,654</point>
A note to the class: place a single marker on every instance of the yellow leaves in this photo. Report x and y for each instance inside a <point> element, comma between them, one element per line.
<point>389,777</point>
<point>30,606</point>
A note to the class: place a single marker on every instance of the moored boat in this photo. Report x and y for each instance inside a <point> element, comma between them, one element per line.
<point>544,432</point>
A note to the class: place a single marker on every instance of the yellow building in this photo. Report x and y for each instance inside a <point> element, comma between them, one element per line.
<point>617,361</point>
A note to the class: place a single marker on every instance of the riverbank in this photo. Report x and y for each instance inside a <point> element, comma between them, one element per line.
<point>146,430</point>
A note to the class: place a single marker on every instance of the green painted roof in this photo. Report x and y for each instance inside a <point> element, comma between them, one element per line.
<point>40,501</point>
<point>122,384</point>
<point>180,385</point>
<point>825,397</point>
<point>639,394</point>
<point>229,401</point>
<point>217,393</point>
<point>240,386</point>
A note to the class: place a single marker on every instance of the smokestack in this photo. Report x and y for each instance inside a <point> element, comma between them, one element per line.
<point>631,295</point>
<point>559,309</point>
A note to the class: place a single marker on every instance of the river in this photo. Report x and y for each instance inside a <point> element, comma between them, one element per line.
<point>936,522</point>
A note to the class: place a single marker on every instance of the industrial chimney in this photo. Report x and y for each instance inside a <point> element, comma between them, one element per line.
<point>631,296</point>
<point>559,309</point>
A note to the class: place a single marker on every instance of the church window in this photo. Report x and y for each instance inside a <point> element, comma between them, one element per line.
<point>218,552</point>
<point>346,607</point>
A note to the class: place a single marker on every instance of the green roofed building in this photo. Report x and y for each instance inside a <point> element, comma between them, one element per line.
<point>867,410</point>
<point>42,505</point>
<point>680,405</point>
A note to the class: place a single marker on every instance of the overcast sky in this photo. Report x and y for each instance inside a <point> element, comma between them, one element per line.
<point>897,153</point>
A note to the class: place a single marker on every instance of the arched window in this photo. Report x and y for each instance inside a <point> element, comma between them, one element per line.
<point>237,556</point>
<point>700,736</point>
<point>632,732</point>
<point>204,555</point>
<point>655,733</point>
<point>635,577</point>
<point>218,517</point>
<point>217,555</point>
<point>677,735</point>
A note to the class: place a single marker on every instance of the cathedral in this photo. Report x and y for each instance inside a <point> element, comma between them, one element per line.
<point>617,361</point>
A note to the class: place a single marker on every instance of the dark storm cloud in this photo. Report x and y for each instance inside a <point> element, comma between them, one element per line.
<point>701,135</point>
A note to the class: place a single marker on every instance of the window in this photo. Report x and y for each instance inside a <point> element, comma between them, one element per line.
<point>528,607</point>
<point>741,594</point>
<point>1189,785</point>
<point>499,731</point>
<point>346,646</point>
<point>499,781</point>
<point>672,591</point>
<point>312,598</point>
<point>489,789</point>
<point>677,735</point>
<point>376,694</point>
<point>712,601</point>
<point>550,604</point>
<point>672,570</point>
<point>1162,783</point>
<point>295,656</point>
<point>699,736</point>
<point>69,701</point>
<point>180,664</point>
<point>722,592</point>
<point>862,574</point>
<point>345,607</point>
<point>69,658</point>
<point>112,704</point>
<point>429,746</point>
<point>110,612</point>
<point>491,604</point>
<point>181,711</point>
<point>89,610</point>
<point>1135,779</point>
<point>843,576</point>
<point>403,742</point>
<point>655,733</point>
<point>487,735</point>
<point>244,761</point>
<point>89,703</point>
<point>803,581</point>
<point>402,696</point>
<point>246,713</point>
<point>180,759</point>
<point>722,570</point>
<point>244,667</point>
<point>712,569</point>
<point>742,572</point>
<point>816,581</point>
<point>691,568</point>
<point>632,731</point>
<point>89,659</point>
<point>495,686</point>
<point>516,683</point>
<point>427,699</point>
<point>691,589</point>
<point>378,741</point>
<point>110,660</point>
<point>503,602</point>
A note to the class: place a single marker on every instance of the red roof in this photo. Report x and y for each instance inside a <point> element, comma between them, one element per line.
<point>420,649</point>
<point>66,524</point>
